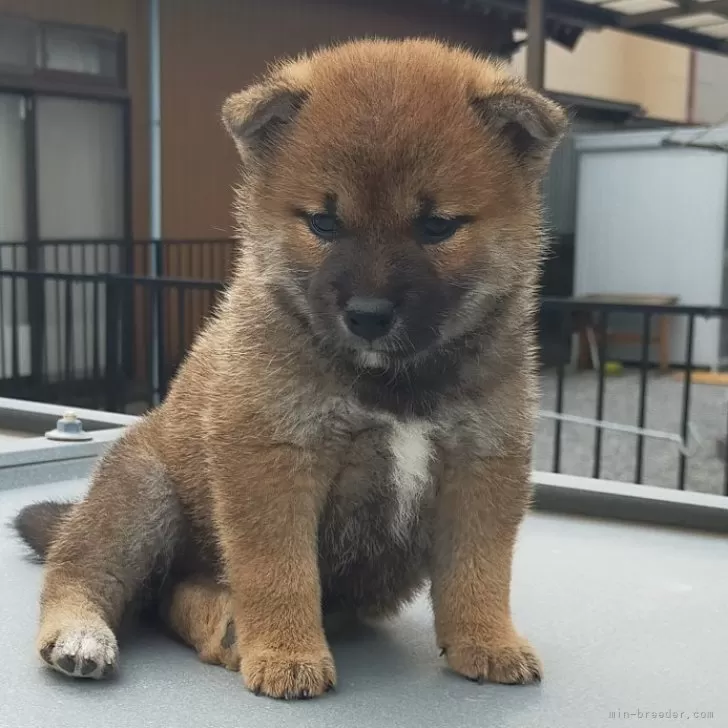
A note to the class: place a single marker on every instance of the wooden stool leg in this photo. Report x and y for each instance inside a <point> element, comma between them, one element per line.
<point>583,349</point>
<point>582,323</point>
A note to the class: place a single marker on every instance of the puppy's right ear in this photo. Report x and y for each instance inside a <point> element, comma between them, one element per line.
<point>257,116</point>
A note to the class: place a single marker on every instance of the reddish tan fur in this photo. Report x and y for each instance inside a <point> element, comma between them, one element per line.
<point>472,567</point>
<point>200,612</point>
<point>232,475</point>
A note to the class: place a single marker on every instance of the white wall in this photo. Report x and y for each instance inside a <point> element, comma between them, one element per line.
<point>620,67</point>
<point>710,93</point>
<point>654,222</point>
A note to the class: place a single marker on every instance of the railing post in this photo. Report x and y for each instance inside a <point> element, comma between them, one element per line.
<point>603,332</point>
<point>129,258</point>
<point>565,331</point>
<point>685,416</point>
<point>15,327</point>
<point>644,366</point>
<point>161,383</point>
<point>112,373</point>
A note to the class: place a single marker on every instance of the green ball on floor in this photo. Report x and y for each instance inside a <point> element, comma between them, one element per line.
<point>613,368</point>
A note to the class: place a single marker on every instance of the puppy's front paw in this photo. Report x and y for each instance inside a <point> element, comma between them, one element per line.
<point>511,661</point>
<point>286,675</point>
<point>80,649</point>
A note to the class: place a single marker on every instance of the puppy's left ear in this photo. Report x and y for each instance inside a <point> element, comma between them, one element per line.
<point>531,124</point>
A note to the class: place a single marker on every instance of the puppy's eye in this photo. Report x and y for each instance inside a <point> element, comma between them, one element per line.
<point>323,226</point>
<point>433,229</point>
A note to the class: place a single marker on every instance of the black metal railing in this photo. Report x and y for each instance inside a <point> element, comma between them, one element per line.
<point>114,341</point>
<point>638,368</point>
<point>200,259</point>
<point>98,340</point>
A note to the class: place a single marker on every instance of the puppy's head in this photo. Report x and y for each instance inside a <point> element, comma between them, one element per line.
<point>390,192</point>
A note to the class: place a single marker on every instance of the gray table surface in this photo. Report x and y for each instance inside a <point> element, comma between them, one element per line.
<point>626,618</point>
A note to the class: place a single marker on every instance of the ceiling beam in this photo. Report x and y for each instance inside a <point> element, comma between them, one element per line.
<point>536,45</point>
<point>684,8</point>
<point>591,16</point>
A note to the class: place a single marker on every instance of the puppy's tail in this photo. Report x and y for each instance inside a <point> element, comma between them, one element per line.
<point>38,525</point>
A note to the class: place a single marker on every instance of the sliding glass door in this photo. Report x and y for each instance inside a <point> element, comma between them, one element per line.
<point>62,210</point>
<point>80,188</point>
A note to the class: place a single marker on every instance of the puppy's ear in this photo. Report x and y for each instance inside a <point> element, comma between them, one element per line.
<point>531,124</point>
<point>257,117</point>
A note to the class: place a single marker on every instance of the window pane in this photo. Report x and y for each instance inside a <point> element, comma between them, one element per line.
<point>80,197</point>
<point>75,51</point>
<point>17,44</point>
<point>80,169</point>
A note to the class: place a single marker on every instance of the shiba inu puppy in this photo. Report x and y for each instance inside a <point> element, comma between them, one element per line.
<point>355,420</point>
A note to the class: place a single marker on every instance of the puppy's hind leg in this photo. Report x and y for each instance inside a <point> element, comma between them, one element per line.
<point>199,611</point>
<point>124,530</point>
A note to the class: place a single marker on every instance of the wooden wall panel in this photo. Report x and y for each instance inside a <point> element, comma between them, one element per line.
<point>216,47</point>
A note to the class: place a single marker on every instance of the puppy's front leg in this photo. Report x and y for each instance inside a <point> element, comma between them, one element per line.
<point>480,506</point>
<point>267,507</point>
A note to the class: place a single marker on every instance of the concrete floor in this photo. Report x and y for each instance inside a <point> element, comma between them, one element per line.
<point>626,618</point>
<point>708,415</point>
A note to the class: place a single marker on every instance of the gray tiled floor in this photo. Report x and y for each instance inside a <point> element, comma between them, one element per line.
<point>625,617</point>
<point>708,414</point>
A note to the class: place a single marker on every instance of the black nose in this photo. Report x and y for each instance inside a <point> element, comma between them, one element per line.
<point>369,318</point>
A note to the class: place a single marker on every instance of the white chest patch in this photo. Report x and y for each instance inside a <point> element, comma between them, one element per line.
<point>372,359</point>
<point>412,454</point>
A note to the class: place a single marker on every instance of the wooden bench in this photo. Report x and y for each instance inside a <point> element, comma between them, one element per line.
<point>587,328</point>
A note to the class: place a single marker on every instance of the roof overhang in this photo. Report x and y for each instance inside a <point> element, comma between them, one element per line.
<point>698,24</point>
